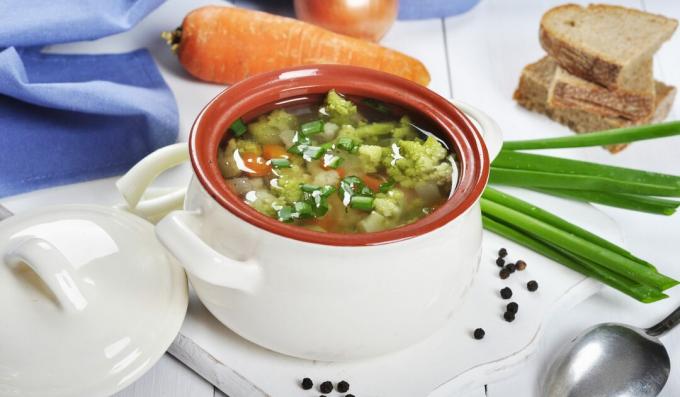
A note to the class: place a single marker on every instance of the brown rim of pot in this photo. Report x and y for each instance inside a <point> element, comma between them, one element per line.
<point>264,89</point>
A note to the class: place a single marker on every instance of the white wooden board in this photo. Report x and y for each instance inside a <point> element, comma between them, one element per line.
<point>447,363</point>
<point>486,48</point>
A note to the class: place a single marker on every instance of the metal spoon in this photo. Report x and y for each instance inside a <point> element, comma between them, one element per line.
<point>612,360</point>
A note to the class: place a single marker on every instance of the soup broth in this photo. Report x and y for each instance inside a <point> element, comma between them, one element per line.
<point>341,164</point>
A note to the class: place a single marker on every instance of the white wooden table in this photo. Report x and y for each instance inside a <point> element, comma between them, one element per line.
<point>477,57</point>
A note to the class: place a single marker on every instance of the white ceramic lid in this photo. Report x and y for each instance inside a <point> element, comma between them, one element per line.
<point>89,300</point>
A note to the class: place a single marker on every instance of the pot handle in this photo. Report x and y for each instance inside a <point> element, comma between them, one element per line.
<point>201,260</point>
<point>490,130</point>
<point>52,267</point>
<point>135,182</point>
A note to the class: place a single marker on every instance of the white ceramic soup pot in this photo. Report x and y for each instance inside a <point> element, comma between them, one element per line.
<point>315,295</point>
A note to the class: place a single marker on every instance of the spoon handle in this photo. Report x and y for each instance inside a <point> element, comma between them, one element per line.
<point>665,325</point>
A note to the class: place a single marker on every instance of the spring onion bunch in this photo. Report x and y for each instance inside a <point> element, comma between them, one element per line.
<point>567,243</point>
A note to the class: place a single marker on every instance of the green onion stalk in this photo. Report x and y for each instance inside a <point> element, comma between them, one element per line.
<point>565,242</point>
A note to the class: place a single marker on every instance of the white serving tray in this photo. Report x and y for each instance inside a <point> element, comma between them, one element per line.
<point>447,363</point>
<point>443,365</point>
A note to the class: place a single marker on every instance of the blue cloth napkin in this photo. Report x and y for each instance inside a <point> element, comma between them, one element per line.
<point>408,9</point>
<point>69,118</point>
<point>425,9</point>
<point>41,22</point>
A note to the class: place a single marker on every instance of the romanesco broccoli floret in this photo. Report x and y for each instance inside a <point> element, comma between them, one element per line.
<point>341,111</point>
<point>248,146</point>
<point>287,185</point>
<point>390,204</point>
<point>371,156</point>
<point>405,129</point>
<point>267,129</point>
<point>420,161</point>
<point>366,133</point>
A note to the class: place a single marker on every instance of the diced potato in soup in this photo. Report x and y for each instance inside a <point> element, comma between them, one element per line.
<point>344,165</point>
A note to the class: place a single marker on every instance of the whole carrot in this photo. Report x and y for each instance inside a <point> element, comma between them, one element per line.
<point>227,44</point>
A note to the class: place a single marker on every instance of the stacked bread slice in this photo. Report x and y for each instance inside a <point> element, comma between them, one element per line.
<point>599,70</point>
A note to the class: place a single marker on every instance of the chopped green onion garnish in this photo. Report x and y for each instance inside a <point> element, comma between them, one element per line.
<point>333,161</point>
<point>285,214</point>
<point>327,190</point>
<point>363,203</point>
<point>309,188</point>
<point>303,209</point>
<point>312,127</point>
<point>280,163</point>
<point>321,208</point>
<point>387,186</point>
<point>238,127</point>
<point>297,149</point>
<point>347,144</point>
<point>313,152</point>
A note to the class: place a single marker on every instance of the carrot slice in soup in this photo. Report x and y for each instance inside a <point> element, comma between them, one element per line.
<point>254,164</point>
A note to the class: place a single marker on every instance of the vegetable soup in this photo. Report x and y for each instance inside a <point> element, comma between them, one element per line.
<point>342,165</point>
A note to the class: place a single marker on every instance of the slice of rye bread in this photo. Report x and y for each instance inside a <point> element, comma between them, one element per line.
<point>572,92</point>
<point>532,93</point>
<point>604,44</point>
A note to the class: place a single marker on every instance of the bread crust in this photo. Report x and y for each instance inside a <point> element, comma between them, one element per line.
<point>585,64</point>
<point>571,92</point>
<point>532,94</point>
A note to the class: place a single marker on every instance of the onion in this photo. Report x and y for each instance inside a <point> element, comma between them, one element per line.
<point>374,222</point>
<point>287,138</point>
<point>365,19</point>
<point>329,177</point>
<point>329,131</point>
<point>428,191</point>
<point>244,185</point>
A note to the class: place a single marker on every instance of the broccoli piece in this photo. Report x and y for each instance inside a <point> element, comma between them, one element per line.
<point>287,185</point>
<point>419,161</point>
<point>267,129</point>
<point>366,133</point>
<point>341,111</point>
<point>370,156</point>
<point>248,146</point>
<point>405,130</point>
<point>390,204</point>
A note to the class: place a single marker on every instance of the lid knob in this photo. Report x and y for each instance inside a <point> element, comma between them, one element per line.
<point>52,267</point>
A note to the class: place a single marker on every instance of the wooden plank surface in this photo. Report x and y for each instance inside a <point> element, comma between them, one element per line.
<point>169,378</point>
<point>477,57</point>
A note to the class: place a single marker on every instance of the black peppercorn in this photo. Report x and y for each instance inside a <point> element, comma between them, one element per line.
<point>510,267</point>
<point>509,316</point>
<point>512,307</point>
<point>521,265</point>
<point>326,387</point>
<point>307,384</point>
<point>342,386</point>
<point>500,262</point>
<point>504,273</point>
<point>506,293</point>
<point>502,252</point>
<point>532,285</point>
<point>479,333</point>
